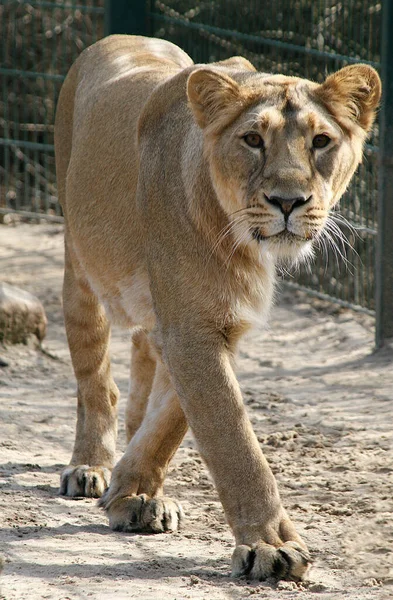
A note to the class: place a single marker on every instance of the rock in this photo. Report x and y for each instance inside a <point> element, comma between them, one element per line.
<point>372,582</point>
<point>10,219</point>
<point>21,316</point>
<point>287,585</point>
<point>317,588</point>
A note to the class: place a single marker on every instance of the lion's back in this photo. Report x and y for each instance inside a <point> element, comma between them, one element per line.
<point>95,132</point>
<point>103,96</point>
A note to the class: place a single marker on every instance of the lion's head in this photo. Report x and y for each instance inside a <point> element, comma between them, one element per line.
<point>282,150</point>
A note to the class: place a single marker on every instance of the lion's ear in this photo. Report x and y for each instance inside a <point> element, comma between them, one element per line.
<point>213,97</point>
<point>353,92</point>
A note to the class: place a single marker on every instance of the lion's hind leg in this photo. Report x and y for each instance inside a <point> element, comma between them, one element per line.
<point>88,336</point>
<point>143,368</point>
<point>135,500</point>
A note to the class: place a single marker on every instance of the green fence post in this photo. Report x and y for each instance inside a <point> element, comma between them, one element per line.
<point>384,271</point>
<point>126,16</point>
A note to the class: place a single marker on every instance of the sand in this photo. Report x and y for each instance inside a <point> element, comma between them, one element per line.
<point>320,400</point>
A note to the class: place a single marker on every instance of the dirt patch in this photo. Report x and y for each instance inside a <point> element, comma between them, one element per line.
<point>321,404</point>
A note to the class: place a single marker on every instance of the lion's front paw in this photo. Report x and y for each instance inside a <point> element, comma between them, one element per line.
<point>261,561</point>
<point>144,514</point>
<point>82,480</point>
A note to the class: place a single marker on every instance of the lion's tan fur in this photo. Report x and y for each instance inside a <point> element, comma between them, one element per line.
<point>169,227</point>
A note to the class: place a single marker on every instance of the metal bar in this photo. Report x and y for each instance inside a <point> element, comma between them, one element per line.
<point>30,74</point>
<point>29,145</point>
<point>32,215</point>
<point>361,229</point>
<point>6,116</point>
<point>370,148</point>
<point>384,267</point>
<point>260,40</point>
<point>123,16</point>
<point>63,6</point>
<point>328,298</point>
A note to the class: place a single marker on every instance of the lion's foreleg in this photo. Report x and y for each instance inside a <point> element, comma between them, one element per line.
<point>88,337</point>
<point>267,542</point>
<point>134,500</point>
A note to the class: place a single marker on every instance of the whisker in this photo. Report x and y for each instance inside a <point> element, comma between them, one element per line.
<point>322,245</point>
<point>253,120</point>
<point>339,251</point>
<point>334,229</point>
<point>225,232</point>
<point>246,209</point>
<point>283,271</point>
<point>339,218</point>
<point>235,247</point>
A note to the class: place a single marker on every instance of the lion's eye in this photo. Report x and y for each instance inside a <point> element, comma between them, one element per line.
<point>254,140</point>
<point>321,141</point>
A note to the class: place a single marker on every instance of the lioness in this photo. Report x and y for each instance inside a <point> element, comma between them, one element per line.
<point>182,186</point>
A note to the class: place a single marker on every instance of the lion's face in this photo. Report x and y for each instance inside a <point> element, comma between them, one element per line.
<point>282,150</point>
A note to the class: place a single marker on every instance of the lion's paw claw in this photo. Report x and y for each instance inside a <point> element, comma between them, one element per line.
<point>262,561</point>
<point>82,480</point>
<point>143,514</point>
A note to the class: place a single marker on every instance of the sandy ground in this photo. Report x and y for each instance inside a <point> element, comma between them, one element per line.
<point>321,404</point>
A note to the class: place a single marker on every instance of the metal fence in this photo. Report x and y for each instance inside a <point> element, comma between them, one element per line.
<point>309,38</point>
<point>39,42</point>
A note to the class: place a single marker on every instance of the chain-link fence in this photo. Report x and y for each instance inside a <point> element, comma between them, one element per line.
<point>39,42</point>
<point>310,38</point>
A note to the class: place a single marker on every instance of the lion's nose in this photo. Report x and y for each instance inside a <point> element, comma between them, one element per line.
<point>286,205</point>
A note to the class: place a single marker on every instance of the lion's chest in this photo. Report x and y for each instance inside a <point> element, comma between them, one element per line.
<point>128,302</point>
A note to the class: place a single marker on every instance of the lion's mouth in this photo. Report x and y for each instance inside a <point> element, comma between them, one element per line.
<point>283,236</point>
